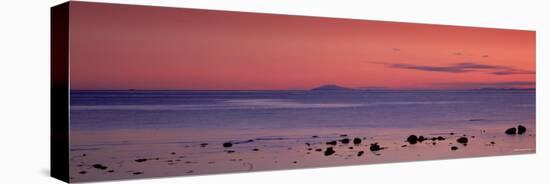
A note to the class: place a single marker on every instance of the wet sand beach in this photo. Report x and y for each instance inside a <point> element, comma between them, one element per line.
<point>149,153</point>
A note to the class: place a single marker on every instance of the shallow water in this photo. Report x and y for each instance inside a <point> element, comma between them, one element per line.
<point>116,127</point>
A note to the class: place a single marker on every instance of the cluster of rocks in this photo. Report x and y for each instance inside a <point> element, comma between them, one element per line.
<point>230,144</point>
<point>345,140</point>
<point>513,131</point>
<point>355,141</point>
<point>413,139</point>
<point>375,147</point>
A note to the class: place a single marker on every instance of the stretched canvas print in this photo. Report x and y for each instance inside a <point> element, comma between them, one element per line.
<point>141,91</point>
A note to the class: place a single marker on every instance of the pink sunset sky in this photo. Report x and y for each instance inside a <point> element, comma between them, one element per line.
<point>140,47</point>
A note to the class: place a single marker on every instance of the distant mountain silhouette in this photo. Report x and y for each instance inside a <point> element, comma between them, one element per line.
<point>331,87</point>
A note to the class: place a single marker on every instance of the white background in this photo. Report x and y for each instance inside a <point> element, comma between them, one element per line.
<point>24,90</point>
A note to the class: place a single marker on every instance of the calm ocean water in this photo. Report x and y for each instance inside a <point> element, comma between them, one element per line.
<point>272,110</point>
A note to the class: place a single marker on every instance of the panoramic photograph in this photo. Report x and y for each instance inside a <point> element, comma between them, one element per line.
<point>158,91</point>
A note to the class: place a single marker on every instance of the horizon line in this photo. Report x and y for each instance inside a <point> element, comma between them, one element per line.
<point>349,89</point>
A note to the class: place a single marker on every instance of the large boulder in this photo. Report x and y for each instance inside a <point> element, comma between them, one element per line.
<point>521,129</point>
<point>227,144</point>
<point>344,141</point>
<point>329,151</point>
<point>462,140</point>
<point>511,131</point>
<point>412,139</point>
<point>357,140</point>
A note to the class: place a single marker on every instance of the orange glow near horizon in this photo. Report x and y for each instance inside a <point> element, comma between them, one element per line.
<point>139,47</point>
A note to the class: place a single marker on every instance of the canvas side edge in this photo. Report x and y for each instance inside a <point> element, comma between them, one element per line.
<point>59,92</point>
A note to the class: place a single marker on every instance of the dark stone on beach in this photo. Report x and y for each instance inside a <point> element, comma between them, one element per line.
<point>329,151</point>
<point>309,149</point>
<point>345,141</point>
<point>83,155</point>
<point>141,160</point>
<point>454,148</point>
<point>421,138</point>
<point>295,162</point>
<point>511,131</point>
<point>314,136</point>
<point>360,153</point>
<point>204,144</point>
<point>452,133</point>
<point>318,149</point>
<point>111,171</point>
<point>462,140</point>
<point>82,172</point>
<point>521,129</point>
<point>351,147</point>
<point>404,145</point>
<point>255,149</point>
<point>434,139</point>
<point>357,140</point>
<point>230,151</point>
<point>433,143</point>
<point>157,158</point>
<point>473,137</point>
<point>439,138</point>
<point>331,143</point>
<point>227,144</point>
<point>308,144</point>
<point>173,153</point>
<point>412,139</point>
<point>343,135</point>
<point>375,147</point>
<point>492,142</point>
<point>137,173</point>
<point>99,166</point>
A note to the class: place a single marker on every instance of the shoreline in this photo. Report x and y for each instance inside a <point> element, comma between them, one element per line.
<point>196,157</point>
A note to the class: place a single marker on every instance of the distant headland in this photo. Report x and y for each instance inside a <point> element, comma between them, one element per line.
<point>331,87</point>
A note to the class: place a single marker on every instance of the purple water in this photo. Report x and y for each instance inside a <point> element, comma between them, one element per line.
<point>282,110</point>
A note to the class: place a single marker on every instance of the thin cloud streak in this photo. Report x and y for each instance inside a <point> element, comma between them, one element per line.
<point>478,85</point>
<point>461,68</point>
